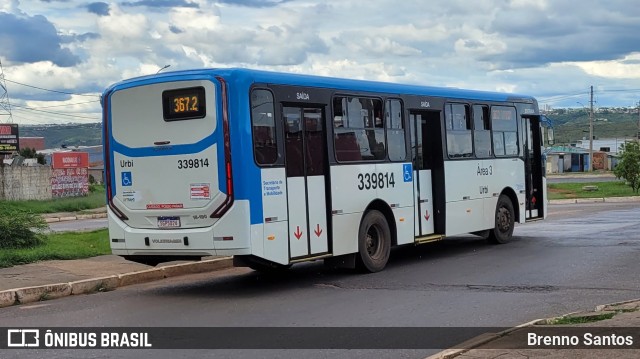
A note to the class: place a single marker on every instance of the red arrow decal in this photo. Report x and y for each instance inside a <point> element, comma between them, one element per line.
<point>318,231</point>
<point>297,233</point>
<point>427,215</point>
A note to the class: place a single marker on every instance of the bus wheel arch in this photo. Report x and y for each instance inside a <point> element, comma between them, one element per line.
<point>505,218</point>
<point>376,236</point>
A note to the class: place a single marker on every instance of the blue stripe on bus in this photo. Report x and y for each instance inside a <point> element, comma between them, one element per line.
<point>170,150</point>
<point>247,177</point>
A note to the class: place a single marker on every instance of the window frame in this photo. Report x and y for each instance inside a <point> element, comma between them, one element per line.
<point>364,128</point>
<point>486,122</point>
<point>387,127</point>
<point>448,109</point>
<point>500,132</point>
<point>276,136</point>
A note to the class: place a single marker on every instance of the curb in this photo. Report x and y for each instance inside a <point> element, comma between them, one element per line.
<point>596,200</point>
<point>478,341</point>
<point>76,217</point>
<point>488,337</point>
<point>87,286</point>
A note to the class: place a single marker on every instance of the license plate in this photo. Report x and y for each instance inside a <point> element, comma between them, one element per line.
<point>168,222</point>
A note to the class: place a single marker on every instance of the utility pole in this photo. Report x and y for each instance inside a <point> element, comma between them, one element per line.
<point>591,131</point>
<point>5,106</point>
<point>638,134</point>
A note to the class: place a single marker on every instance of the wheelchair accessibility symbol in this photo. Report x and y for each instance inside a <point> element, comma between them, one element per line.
<point>407,172</point>
<point>127,180</point>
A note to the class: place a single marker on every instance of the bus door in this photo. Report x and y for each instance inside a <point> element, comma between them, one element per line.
<point>425,135</point>
<point>533,167</point>
<point>306,165</point>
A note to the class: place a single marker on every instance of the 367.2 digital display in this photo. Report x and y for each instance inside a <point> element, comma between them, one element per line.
<point>184,104</point>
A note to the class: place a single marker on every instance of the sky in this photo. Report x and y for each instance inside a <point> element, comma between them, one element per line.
<point>59,55</point>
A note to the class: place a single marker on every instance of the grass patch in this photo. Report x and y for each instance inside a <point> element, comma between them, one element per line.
<point>68,245</point>
<point>582,320</point>
<point>574,190</point>
<point>95,199</point>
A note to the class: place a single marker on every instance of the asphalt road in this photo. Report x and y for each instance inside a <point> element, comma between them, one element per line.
<point>582,256</point>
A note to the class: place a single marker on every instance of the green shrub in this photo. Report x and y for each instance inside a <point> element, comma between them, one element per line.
<point>19,229</point>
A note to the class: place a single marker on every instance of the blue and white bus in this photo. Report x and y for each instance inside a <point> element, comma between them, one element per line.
<point>275,168</point>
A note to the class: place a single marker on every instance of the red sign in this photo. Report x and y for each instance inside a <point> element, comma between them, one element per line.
<point>70,174</point>
<point>6,130</point>
<point>70,160</point>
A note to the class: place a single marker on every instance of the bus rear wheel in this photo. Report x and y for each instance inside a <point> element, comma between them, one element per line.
<point>374,241</point>
<point>504,221</point>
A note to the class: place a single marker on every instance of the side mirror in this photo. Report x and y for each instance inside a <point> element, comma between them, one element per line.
<point>550,138</point>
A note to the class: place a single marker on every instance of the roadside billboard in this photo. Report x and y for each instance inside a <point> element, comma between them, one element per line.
<point>9,139</point>
<point>70,174</point>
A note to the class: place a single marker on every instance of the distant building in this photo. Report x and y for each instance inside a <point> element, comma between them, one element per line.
<point>562,159</point>
<point>609,145</point>
<point>36,143</point>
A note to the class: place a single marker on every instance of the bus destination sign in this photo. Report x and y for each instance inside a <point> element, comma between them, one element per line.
<point>184,104</point>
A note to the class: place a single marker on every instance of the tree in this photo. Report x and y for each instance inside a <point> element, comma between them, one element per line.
<point>31,153</point>
<point>628,167</point>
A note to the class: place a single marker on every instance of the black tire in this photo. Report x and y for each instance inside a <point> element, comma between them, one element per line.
<point>374,241</point>
<point>504,224</point>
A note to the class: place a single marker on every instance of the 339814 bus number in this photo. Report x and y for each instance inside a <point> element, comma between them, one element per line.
<point>375,180</point>
<point>193,163</point>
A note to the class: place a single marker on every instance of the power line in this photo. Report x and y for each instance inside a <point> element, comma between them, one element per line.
<point>25,117</point>
<point>556,98</point>
<point>23,108</point>
<point>620,90</point>
<point>63,105</point>
<point>44,89</point>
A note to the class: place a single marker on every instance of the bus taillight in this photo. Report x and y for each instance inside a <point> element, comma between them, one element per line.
<point>107,158</point>
<point>227,152</point>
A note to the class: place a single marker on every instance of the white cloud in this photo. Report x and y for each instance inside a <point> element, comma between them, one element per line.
<point>625,68</point>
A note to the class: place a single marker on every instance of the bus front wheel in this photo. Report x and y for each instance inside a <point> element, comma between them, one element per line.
<point>504,221</point>
<point>374,241</point>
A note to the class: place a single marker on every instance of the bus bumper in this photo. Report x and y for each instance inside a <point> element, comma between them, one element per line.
<point>228,236</point>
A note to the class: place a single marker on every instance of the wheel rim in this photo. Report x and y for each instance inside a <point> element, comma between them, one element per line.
<point>373,242</point>
<point>504,219</point>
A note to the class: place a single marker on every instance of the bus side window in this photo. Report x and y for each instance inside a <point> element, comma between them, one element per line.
<point>359,131</point>
<point>481,131</point>
<point>505,131</point>
<point>395,131</point>
<point>458,124</point>
<point>263,125</point>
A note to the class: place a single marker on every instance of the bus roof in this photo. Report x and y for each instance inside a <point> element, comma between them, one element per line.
<point>259,76</point>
